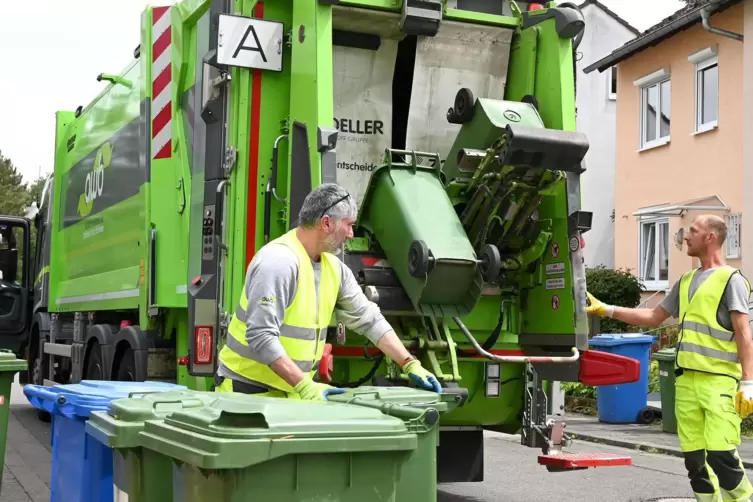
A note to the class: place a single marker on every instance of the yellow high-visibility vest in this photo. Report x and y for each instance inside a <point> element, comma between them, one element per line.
<point>304,328</point>
<point>704,344</point>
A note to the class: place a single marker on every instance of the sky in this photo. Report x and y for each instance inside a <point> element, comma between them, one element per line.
<point>63,46</point>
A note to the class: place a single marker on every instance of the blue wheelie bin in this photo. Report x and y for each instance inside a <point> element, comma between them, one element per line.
<point>82,469</point>
<point>623,403</point>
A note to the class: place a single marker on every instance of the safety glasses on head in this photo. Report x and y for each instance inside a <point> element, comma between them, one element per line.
<point>344,197</point>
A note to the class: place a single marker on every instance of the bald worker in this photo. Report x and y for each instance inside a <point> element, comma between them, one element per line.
<point>714,357</point>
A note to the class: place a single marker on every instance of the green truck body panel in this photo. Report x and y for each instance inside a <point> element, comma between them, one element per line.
<point>167,184</point>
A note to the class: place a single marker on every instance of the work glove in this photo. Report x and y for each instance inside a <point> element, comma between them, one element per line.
<point>422,378</point>
<point>310,390</point>
<point>744,398</point>
<point>596,307</point>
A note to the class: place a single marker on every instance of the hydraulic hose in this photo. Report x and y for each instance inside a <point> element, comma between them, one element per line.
<point>490,342</point>
<point>351,385</point>
<point>515,359</point>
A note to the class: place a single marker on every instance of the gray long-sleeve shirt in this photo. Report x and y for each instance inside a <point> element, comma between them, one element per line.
<point>270,287</point>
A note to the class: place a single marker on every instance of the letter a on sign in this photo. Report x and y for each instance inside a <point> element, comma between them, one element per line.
<point>250,43</point>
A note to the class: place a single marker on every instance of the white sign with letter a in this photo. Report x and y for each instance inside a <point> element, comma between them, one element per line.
<point>249,43</point>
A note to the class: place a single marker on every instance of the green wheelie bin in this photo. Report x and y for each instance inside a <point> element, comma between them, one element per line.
<point>139,473</point>
<point>283,450</point>
<point>421,411</point>
<point>407,210</point>
<point>666,360</point>
<point>9,366</point>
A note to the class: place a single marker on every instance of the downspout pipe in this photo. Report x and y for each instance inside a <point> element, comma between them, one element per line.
<point>706,16</point>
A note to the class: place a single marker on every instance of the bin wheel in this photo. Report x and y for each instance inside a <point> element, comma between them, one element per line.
<point>418,259</point>
<point>463,109</point>
<point>491,262</point>
<point>646,416</point>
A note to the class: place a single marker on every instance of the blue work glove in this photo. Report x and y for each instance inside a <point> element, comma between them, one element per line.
<point>422,378</point>
<point>310,390</point>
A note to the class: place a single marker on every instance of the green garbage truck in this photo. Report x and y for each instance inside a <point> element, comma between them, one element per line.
<point>452,122</point>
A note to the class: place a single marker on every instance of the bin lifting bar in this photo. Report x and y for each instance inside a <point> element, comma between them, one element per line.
<point>515,359</point>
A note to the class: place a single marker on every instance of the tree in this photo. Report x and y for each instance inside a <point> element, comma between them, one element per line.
<point>614,287</point>
<point>35,190</point>
<point>14,197</point>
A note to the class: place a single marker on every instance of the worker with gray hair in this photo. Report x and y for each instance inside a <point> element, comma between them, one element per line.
<point>293,285</point>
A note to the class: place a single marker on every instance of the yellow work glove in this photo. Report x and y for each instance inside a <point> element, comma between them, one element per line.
<point>744,398</point>
<point>422,378</point>
<point>595,307</point>
<point>310,390</point>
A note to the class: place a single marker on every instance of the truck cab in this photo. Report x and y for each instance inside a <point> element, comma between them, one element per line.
<point>24,263</point>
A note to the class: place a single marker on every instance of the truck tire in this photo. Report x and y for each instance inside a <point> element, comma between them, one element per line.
<point>94,366</point>
<point>126,371</point>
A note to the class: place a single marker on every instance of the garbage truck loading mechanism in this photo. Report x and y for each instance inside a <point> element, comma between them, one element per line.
<point>451,122</point>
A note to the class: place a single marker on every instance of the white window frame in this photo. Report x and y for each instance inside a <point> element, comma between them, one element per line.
<point>611,74</point>
<point>653,285</point>
<point>654,79</point>
<point>733,244</point>
<point>703,59</point>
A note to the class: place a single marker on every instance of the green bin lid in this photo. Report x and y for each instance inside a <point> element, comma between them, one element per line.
<point>120,425</point>
<point>665,354</point>
<point>240,430</point>
<point>9,361</point>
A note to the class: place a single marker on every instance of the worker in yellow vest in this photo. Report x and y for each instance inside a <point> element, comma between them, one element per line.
<point>714,363</point>
<point>293,285</point>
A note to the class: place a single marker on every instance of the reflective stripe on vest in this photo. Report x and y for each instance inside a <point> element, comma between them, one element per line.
<point>705,345</point>
<point>304,326</point>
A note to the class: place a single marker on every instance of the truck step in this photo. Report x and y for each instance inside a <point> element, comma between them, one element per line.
<point>576,461</point>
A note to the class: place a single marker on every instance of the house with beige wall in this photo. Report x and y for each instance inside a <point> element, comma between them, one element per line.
<point>681,127</point>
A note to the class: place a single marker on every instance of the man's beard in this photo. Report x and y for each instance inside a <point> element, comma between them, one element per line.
<point>331,243</point>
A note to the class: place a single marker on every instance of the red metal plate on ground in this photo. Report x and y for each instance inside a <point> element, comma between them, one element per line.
<point>581,460</point>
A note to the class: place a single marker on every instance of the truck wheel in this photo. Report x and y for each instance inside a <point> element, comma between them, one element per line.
<point>127,366</point>
<point>94,367</point>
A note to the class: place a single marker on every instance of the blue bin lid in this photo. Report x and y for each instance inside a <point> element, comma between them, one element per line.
<point>80,399</point>
<point>611,339</point>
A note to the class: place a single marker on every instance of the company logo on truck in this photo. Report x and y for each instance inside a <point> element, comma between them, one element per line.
<point>94,183</point>
<point>358,126</point>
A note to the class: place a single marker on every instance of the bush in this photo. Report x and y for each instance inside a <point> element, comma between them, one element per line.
<point>615,287</point>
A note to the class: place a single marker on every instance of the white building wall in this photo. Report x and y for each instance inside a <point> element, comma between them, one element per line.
<point>596,119</point>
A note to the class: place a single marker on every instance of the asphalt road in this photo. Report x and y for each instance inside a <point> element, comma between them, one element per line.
<point>512,474</point>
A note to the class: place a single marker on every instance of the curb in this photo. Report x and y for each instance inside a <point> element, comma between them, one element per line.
<point>647,447</point>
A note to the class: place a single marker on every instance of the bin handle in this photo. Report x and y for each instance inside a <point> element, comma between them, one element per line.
<point>40,391</point>
<point>143,392</point>
<point>182,402</point>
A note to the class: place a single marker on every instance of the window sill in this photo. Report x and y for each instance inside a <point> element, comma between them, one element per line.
<point>654,286</point>
<point>711,126</point>
<point>654,144</point>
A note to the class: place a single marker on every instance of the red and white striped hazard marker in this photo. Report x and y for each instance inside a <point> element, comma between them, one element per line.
<point>162,108</point>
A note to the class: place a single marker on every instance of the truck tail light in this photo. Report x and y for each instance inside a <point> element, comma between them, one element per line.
<point>535,6</point>
<point>203,344</point>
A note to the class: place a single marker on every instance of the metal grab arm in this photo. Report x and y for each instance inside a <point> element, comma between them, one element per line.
<point>515,359</point>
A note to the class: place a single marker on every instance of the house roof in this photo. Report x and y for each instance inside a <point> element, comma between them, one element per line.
<point>611,13</point>
<point>681,20</point>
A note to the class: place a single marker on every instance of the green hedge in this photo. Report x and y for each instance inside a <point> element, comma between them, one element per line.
<point>614,287</point>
